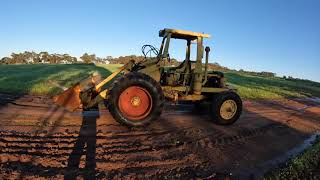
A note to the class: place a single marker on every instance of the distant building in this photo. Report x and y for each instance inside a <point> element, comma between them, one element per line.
<point>65,62</point>
<point>29,60</point>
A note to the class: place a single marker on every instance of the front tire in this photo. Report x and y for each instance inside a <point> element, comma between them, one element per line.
<point>226,108</point>
<point>135,99</point>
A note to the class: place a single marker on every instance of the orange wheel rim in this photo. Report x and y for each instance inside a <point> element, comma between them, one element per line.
<point>135,103</point>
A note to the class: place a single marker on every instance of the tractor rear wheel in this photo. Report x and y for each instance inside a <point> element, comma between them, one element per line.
<point>226,108</point>
<point>135,99</point>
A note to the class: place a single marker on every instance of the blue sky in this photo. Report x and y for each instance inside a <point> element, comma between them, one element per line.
<point>282,36</point>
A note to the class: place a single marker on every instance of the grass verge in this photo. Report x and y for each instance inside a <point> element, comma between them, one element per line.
<point>304,166</point>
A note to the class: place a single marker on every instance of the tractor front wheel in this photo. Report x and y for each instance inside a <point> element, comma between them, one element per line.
<point>226,108</point>
<point>135,99</point>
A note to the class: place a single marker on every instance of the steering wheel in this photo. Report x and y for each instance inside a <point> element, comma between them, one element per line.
<point>149,50</point>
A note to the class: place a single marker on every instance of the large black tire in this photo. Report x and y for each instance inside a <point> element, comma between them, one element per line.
<point>216,108</point>
<point>136,79</point>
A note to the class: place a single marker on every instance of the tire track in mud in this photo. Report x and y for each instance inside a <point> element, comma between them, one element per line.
<point>56,146</point>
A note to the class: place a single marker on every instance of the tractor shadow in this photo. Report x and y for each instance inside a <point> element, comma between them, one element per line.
<point>85,145</point>
<point>246,149</point>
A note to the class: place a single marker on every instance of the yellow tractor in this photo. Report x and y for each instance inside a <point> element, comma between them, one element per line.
<point>137,96</point>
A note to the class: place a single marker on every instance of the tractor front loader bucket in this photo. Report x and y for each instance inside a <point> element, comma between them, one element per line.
<point>71,98</point>
<point>87,93</point>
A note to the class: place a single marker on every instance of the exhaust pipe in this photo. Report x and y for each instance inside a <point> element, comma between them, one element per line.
<point>207,49</point>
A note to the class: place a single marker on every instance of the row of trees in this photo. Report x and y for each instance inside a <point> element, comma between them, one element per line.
<point>46,58</point>
<point>126,59</point>
<point>35,58</point>
<point>262,73</point>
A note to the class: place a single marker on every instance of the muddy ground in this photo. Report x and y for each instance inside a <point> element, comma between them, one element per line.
<point>38,140</point>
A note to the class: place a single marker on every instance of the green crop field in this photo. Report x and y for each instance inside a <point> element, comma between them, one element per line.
<point>256,87</point>
<point>35,79</point>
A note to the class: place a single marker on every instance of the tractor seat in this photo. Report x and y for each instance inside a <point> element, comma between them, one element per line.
<point>183,67</point>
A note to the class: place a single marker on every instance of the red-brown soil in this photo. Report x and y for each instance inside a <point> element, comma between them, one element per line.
<point>39,140</point>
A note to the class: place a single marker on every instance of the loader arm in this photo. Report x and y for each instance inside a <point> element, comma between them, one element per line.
<point>104,93</point>
<point>86,93</point>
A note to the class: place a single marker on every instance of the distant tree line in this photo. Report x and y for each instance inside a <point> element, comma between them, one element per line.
<point>36,58</point>
<point>262,73</point>
<point>126,59</point>
<point>47,58</point>
<point>217,67</point>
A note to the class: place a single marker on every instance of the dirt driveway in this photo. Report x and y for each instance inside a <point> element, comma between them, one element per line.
<point>39,140</point>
